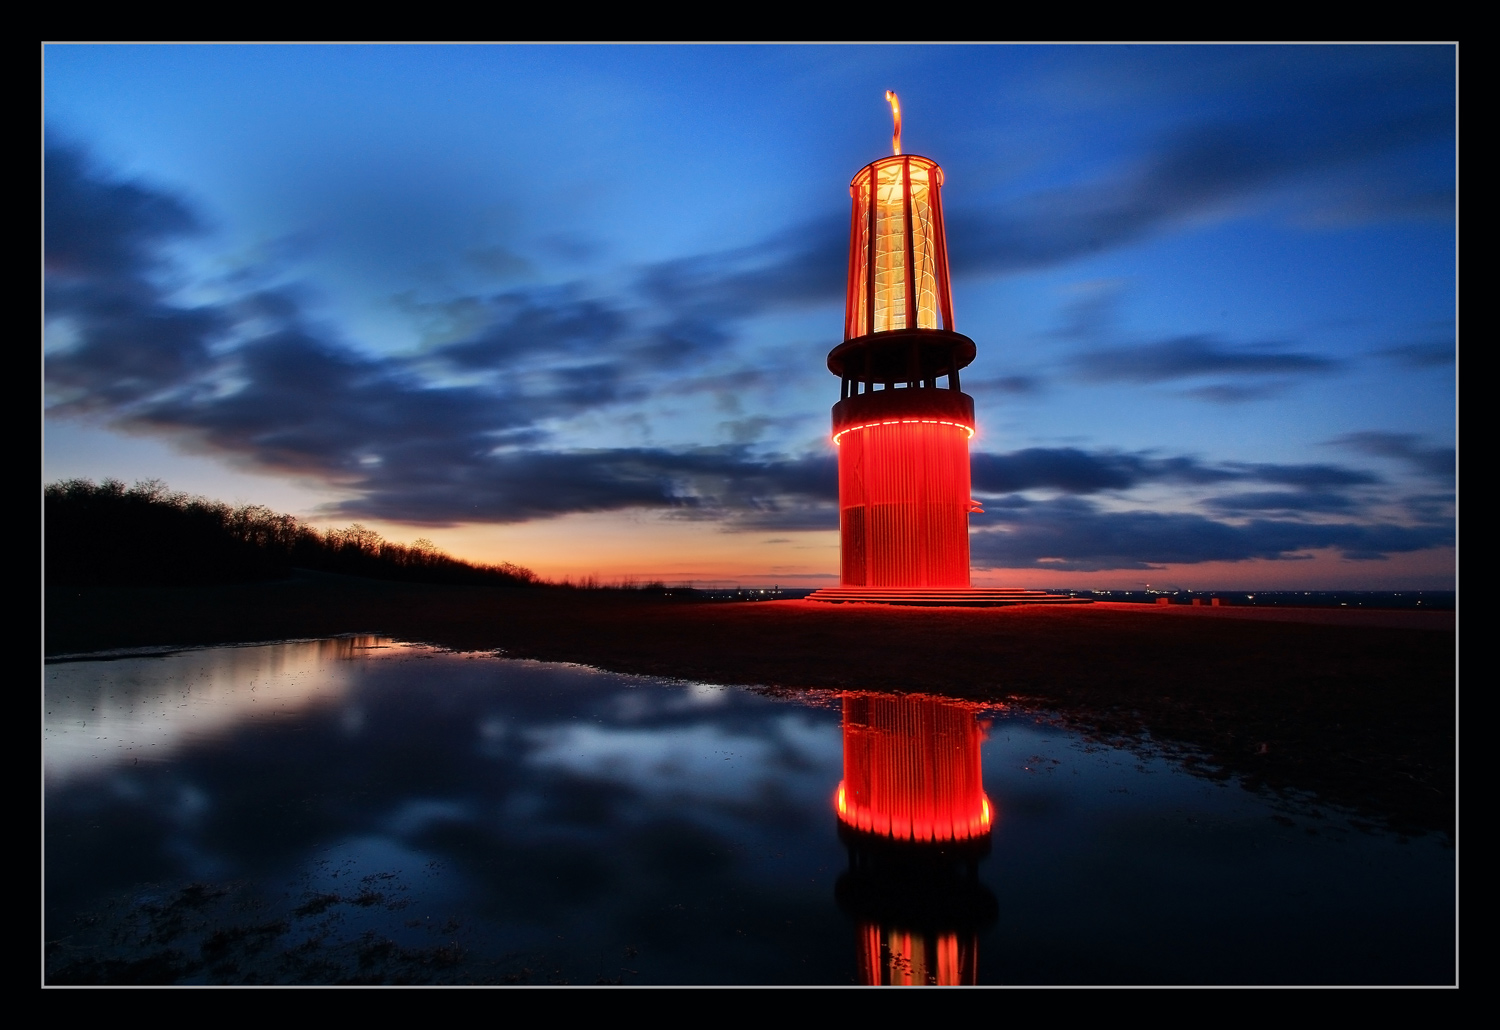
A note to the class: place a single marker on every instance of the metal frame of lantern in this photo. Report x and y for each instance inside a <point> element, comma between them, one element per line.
<point>903,438</point>
<point>918,233</point>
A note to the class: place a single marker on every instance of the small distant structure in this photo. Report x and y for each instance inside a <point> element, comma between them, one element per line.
<point>902,424</point>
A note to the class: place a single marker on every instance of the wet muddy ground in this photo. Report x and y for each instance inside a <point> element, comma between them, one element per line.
<point>1358,707</point>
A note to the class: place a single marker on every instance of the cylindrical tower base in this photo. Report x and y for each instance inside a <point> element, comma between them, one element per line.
<point>904,504</point>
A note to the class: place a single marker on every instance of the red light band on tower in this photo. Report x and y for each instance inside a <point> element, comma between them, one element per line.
<point>903,421</point>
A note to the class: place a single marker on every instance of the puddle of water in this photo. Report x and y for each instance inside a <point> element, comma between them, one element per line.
<point>356,810</point>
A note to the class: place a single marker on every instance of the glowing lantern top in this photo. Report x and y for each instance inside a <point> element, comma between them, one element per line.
<point>898,252</point>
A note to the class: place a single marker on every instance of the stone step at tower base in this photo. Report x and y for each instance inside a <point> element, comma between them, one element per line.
<point>940,597</point>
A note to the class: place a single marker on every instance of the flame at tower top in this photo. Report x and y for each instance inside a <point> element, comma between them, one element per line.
<point>895,102</point>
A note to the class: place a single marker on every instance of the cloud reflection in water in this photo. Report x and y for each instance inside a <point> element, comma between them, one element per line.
<point>396,813</point>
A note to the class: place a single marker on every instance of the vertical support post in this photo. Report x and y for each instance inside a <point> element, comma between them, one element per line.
<point>940,248</point>
<point>854,306</point>
<point>911,276</point>
<point>870,254</point>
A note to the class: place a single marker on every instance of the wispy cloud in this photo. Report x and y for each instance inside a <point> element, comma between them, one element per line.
<point>1014,385</point>
<point>1076,471</point>
<point>1072,534</point>
<point>1191,357</point>
<point>103,253</point>
<point>1430,354</point>
<point>1315,476</point>
<point>1196,171</point>
<point>461,431</point>
<point>1280,501</point>
<point>1406,448</point>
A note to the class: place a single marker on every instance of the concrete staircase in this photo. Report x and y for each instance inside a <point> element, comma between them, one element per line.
<point>937,597</point>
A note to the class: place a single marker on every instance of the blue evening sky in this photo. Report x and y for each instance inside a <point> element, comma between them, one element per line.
<point>568,306</point>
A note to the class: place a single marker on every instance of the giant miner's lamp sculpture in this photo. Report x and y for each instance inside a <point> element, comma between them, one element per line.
<point>902,424</point>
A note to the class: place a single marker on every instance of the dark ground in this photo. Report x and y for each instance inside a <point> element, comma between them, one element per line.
<point>1356,706</point>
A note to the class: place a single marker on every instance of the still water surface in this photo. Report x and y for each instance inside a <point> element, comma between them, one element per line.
<point>361,810</point>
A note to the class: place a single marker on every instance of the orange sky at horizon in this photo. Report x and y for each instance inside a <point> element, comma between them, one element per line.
<point>644,546</point>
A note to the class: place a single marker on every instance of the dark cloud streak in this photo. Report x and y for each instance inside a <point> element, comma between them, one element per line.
<point>103,241</point>
<point>1436,354</point>
<point>1188,357</point>
<point>1073,535</point>
<point>1279,500</point>
<point>1407,448</point>
<point>413,448</point>
<point>1074,471</point>
<point>1199,170</point>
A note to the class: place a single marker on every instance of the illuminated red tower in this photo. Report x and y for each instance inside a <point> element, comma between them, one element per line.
<point>902,424</point>
<point>903,438</point>
<point>914,816</point>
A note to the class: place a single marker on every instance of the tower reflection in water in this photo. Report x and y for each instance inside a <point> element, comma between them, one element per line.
<point>914,816</point>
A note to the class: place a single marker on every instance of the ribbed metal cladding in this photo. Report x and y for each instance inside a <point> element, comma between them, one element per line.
<point>904,505</point>
<point>912,769</point>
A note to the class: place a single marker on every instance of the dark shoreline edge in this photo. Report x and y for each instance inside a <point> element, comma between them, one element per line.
<point>1359,711</point>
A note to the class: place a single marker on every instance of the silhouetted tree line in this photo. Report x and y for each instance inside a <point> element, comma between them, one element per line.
<point>147,534</point>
